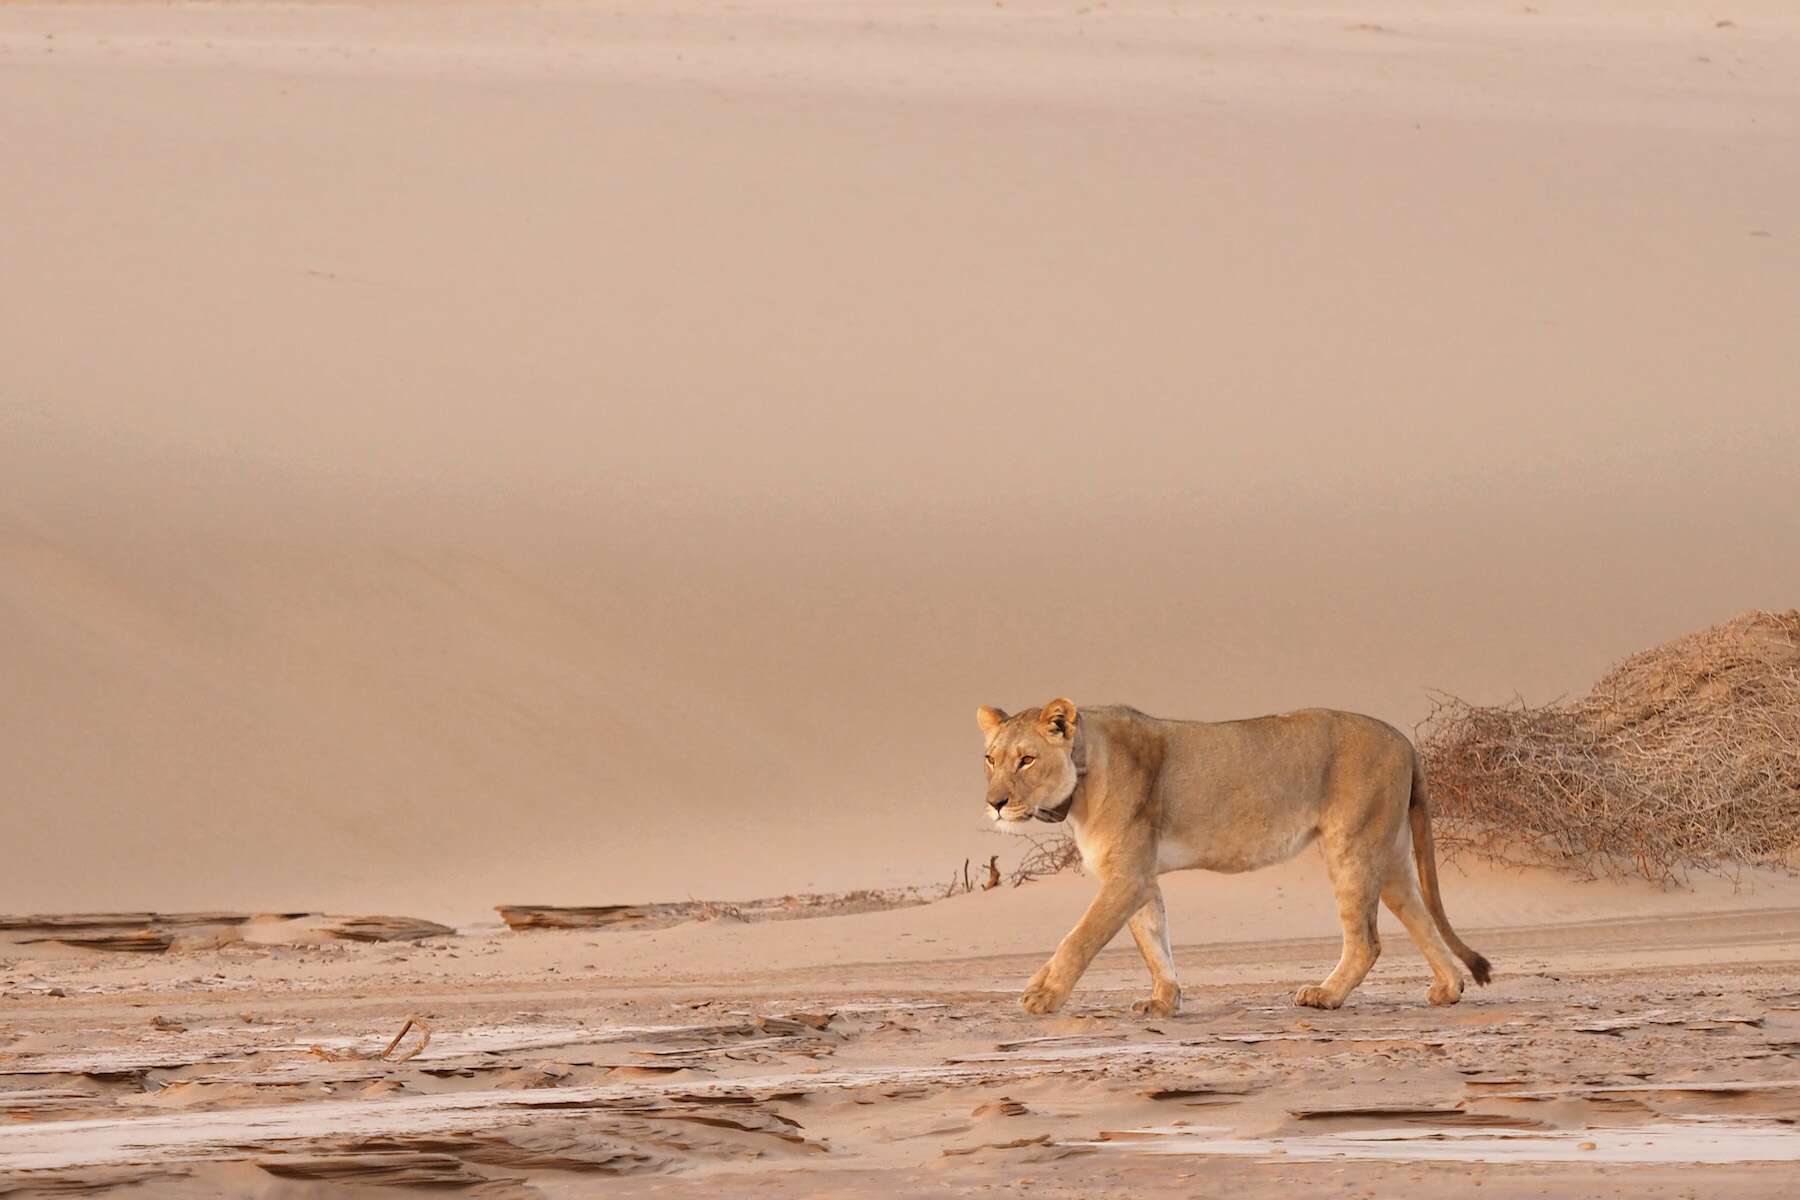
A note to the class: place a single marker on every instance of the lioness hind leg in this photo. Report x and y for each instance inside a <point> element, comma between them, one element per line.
<point>1150,929</point>
<point>1358,894</point>
<point>1401,894</point>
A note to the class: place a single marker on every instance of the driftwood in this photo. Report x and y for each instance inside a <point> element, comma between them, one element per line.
<point>384,929</point>
<point>795,1021</point>
<point>138,932</point>
<point>664,915</point>
<point>543,916</point>
<point>375,1168</point>
<point>48,922</point>
<point>142,941</point>
<point>154,933</point>
<point>413,1022</point>
<point>31,1100</point>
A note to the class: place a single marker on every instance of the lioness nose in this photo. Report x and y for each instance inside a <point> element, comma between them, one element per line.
<point>998,802</point>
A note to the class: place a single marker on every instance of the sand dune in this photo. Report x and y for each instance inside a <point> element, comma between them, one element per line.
<point>462,454</point>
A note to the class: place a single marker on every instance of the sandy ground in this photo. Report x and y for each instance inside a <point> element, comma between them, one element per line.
<point>499,453</point>
<point>454,454</point>
<point>1635,1040</point>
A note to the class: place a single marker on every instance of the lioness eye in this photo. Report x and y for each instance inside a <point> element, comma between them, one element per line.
<point>1026,761</point>
<point>990,760</point>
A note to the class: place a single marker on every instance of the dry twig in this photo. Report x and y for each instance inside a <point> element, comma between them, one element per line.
<point>414,1021</point>
<point>1047,856</point>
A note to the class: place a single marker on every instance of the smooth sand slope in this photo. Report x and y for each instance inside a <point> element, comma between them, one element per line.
<point>460,454</point>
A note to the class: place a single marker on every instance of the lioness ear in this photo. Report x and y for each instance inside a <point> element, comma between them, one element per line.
<point>989,719</point>
<point>1058,718</point>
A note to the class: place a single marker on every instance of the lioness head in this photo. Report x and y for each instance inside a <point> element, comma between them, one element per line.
<point>1030,763</point>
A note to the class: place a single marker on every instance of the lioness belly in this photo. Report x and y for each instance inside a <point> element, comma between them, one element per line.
<point>1233,855</point>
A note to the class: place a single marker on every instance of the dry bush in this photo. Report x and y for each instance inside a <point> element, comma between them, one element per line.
<point>1684,756</point>
<point>1048,855</point>
<point>716,910</point>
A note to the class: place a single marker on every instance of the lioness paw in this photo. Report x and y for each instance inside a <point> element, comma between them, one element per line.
<point>1156,1005</point>
<point>1314,996</point>
<point>1445,993</point>
<point>1039,999</point>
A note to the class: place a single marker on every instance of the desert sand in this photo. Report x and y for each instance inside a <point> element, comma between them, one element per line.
<point>457,454</point>
<point>467,454</point>
<point>1635,1039</point>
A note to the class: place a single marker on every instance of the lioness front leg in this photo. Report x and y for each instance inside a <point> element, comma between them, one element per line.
<point>1150,930</point>
<point>1110,910</point>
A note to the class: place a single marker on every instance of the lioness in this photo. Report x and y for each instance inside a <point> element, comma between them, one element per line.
<point>1144,796</point>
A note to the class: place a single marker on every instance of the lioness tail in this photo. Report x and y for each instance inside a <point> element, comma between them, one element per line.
<point>1425,854</point>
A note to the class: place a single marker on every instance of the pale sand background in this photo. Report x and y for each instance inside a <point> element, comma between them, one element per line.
<point>453,454</point>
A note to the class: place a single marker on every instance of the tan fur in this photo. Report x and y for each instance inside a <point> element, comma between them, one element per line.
<point>1143,796</point>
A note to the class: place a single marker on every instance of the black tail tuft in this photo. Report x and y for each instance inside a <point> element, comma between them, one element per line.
<point>1480,968</point>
